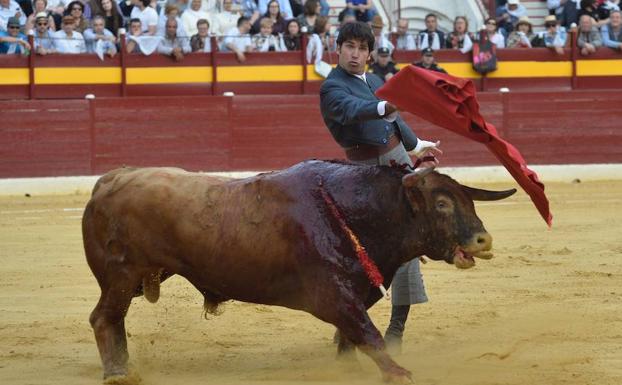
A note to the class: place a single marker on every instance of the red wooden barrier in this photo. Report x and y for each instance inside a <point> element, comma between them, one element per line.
<point>66,137</point>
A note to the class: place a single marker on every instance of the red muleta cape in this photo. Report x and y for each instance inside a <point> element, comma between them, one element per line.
<point>449,102</point>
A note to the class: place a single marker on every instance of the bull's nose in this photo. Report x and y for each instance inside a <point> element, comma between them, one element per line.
<point>482,241</point>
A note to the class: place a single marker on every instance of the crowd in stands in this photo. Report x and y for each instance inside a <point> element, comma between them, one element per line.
<point>178,27</point>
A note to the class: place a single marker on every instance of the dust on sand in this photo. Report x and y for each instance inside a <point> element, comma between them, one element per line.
<point>547,309</point>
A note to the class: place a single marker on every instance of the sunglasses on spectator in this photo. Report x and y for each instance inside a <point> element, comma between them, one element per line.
<point>491,23</point>
<point>13,26</point>
<point>44,23</point>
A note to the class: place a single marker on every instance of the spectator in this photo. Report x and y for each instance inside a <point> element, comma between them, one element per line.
<point>279,24</point>
<point>431,37</point>
<point>317,42</point>
<point>91,8</point>
<point>136,31</point>
<point>9,9</point>
<point>147,15</point>
<point>226,19</point>
<point>428,62</point>
<point>126,7</point>
<point>250,10</point>
<point>522,36</point>
<point>238,39</point>
<point>460,38</point>
<point>405,40</point>
<point>75,9</point>
<point>39,6</point>
<point>67,39</point>
<point>100,40</point>
<point>13,42</point>
<point>384,66</point>
<point>43,39</point>
<point>495,37</point>
<point>292,37</point>
<point>265,41</point>
<point>57,8</point>
<point>377,25</point>
<point>363,9</point>
<point>554,36</point>
<point>173,45</point>
<point>112,16</point>
<point>508,15</point>
<point>171,10</point>
<point>588,37</point>
<point>285,8</point>
<point>589,7</point>
<point>311,12</point>
<point>210,6</point>
<point>201,42</point>
<point>612,32</point>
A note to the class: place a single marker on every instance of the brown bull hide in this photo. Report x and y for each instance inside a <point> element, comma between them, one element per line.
<point>269,239</point>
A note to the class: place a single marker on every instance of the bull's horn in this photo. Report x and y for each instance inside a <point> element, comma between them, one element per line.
<point>411,179</point>
<point>486,195</point>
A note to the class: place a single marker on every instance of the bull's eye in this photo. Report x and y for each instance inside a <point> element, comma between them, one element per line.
<point>444,204</point>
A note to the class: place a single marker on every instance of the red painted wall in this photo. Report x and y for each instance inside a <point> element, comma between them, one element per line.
<point>80,137</point>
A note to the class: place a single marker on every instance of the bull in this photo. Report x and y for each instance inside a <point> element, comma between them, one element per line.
<point>271,239</point>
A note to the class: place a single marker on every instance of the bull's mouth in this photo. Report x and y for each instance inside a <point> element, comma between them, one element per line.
<point>464,259</point>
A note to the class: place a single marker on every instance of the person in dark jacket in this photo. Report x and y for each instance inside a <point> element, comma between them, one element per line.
<point>428,62</point>
<point>384,67</point>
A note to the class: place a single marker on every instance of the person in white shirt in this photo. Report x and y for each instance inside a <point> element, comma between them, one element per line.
<point>381,41</point>
<point>193,14</point>
<point>237,40</point>
<point>8,9</point>
<point>99,35</point>
<point>495,37</point>
<point>226,19</point>
<point>265,41</point>
<point>147,15</point>
<point>405,40</point>
<point>67,40</point>
<point>172,44</point>
<point>317,41</point>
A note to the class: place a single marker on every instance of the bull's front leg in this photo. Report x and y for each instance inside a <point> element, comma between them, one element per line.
<point>355,325</point>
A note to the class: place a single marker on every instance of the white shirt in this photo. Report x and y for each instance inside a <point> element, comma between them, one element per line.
<point>315,49</point>
<point>73,44</point>
<point>225,21</point>
<point>498,40</point>
<point>148,17</point>
<point>6,13</point>
<point>406,42</point>
<point>189,21</point>
<point>241,42</point>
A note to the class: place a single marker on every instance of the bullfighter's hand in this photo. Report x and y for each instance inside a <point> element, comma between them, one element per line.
<point>426,148</point>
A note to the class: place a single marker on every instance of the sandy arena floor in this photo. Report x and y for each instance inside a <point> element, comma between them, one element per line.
<point>546,310</point>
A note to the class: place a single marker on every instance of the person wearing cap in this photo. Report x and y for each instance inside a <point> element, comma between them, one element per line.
<point>43,39</point>
<point>507,16</point>
<point>431,36</point>
<point>428,62</point>
<point>67,39</point>
<point>12,41</point>
<point>9,9</point>
<point>381,41</point>
<point>371,132</point>
<point>383,67</point>
<point>553,37</point>
<point>522,36</point>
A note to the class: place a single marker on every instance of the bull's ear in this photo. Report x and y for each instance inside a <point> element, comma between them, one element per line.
<point>410,180</point>
<point>487,195</point>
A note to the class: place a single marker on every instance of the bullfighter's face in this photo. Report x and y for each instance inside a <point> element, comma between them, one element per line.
<point>353,55</point>
<point>457,235</point>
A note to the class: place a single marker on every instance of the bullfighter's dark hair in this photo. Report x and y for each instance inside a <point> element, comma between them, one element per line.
<point>356,31</point>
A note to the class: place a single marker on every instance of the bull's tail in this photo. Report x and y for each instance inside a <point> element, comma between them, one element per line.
<point>151,286</point>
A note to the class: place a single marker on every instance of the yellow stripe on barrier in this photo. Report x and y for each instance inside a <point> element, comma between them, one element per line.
<point>14,76</point>
<point>599,67</point>
<point>532,69</point>
<point>168,75</point>
<point>77,75</point>
<point>276,73</point>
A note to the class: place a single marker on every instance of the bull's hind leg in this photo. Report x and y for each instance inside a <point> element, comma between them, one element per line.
<point>108,318</point>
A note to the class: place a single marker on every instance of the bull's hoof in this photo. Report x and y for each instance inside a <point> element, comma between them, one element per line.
<point>398,376</point>
<point>123,379</point>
